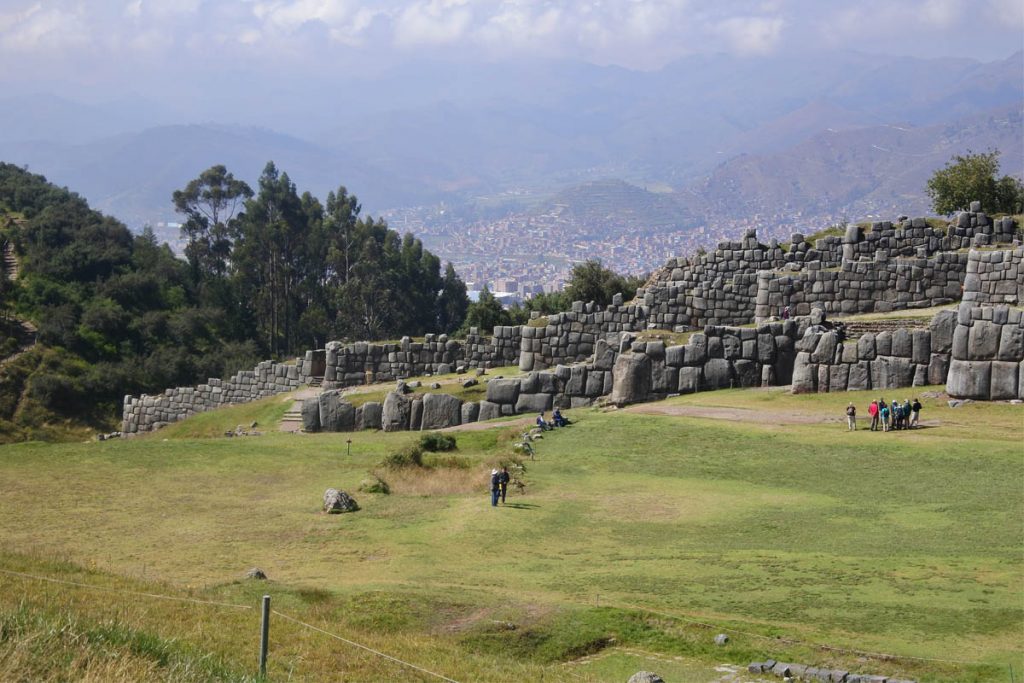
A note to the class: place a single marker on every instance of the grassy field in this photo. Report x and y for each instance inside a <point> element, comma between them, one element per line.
<point>639,537</point>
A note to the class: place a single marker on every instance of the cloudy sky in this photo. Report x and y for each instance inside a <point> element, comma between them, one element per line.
<point>95,41</point>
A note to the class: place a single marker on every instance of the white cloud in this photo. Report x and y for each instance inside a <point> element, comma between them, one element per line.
<point>435,22</point>
<point>38,28</point>
<point>751,35</point>
<point>942,13</point>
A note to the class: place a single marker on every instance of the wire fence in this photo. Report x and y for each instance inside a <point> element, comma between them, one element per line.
<point>228,605</point>
<point>619,605</point>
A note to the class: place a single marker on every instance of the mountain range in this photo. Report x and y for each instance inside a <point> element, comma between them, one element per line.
<point>716,135</point>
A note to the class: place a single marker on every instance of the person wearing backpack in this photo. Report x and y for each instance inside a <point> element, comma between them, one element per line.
<point>503,479</point>
<point>883,410</point>
<point>495,488</point>
<point>851,417</point>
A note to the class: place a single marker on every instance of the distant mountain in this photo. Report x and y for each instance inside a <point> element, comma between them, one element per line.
<point>467,133</point>
<point>609,205</point>
<point>856,172</point>
<point>132,176</point>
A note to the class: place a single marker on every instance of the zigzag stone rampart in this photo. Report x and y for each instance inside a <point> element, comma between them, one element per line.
<point>892,266</point>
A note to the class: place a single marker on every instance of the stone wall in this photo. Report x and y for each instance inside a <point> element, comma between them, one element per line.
<point>881,285</point>
<point>571,336</point>
<point>987,353</point>
<point>147,413</point>
<point>905,357</point>
<point>995,277</point>
<point>892,266</point>
<point>718,358</point>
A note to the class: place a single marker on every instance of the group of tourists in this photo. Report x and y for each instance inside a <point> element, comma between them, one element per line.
<point>500,478</point>
<point>499,485</point>
<point>557,420</point>
<point>887,416</point>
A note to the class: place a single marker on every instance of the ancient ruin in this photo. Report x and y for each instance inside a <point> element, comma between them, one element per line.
<point>731,302</point>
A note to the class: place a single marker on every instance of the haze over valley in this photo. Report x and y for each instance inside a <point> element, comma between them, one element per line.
<point>515,166</point>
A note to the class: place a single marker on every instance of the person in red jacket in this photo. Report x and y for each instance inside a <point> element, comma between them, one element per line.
<point>873,412</point>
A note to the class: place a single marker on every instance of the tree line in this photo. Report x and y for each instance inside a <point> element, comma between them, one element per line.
<point>268,272</point>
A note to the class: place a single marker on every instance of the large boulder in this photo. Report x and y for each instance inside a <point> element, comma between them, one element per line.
<point>396,412</point>
<point>805,374</point>
<point>942,327</point>
<point>632,379</point>
<point>938,368</point>
<point>416,414</point>
<point>336,414</point>
<point>1011,344</point>
<point>503,390</point>
<point>371,415</point>
<point>866,346</point>
<point>470,412</point>
<point>645,677</point>
<point>440,411</point>
<point>748,373</point>
<point>489,411</point>
<point>984,340</point>
<point>311,415</point>
<point>1004,381</point>
<point>534,403</point>
<point>718,373</point>
<point>691,379</point>
<point>969,379</point>
<point>902,343</point>
<point>336,502</point>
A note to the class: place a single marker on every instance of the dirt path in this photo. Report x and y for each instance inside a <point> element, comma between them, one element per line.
<point>734,414</point>
<point>477,426</point>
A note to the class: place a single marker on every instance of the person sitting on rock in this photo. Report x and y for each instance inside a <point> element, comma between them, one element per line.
<point>557,418</point>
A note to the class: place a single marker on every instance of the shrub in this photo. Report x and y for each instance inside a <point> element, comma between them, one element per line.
<point>436,442</point>
<point>374,484</point>
<point>410,456</point>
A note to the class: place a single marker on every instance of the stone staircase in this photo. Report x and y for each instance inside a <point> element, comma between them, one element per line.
<point>292,420</point>
<point>316,382</point>
<point>10,261</point>
<point>855,329</point>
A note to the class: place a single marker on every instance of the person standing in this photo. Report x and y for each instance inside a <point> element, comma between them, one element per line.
<point>883,412</point>
<point>873,412</point>
<point>915,412</point>
<point>503,480</point>
<point>851,417</point>
<point>495,488</point>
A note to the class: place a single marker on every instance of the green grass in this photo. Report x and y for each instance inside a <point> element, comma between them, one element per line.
<point>266,413</point>
<point>451,383</point>
<point>633,526</point>
<point>668,336</point>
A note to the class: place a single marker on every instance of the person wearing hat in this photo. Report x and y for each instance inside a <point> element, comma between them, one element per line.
<point>851,417</point>
<point>495,487</point>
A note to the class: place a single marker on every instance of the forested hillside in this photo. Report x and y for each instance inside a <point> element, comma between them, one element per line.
<point>269,273</point>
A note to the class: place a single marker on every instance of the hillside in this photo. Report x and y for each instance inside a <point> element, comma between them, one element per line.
<point>855,171</point>
<point>606,207</point>
<point>637,539</point>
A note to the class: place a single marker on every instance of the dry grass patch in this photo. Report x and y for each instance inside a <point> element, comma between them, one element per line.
<point>438,481</point>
